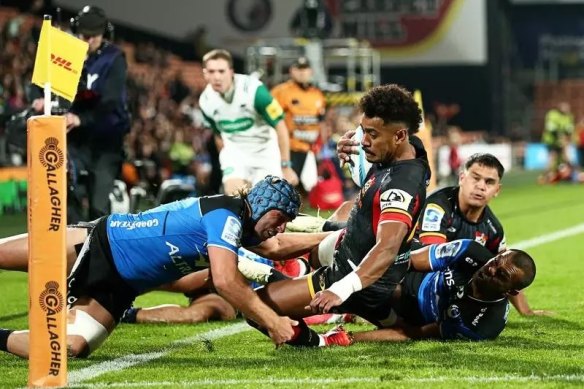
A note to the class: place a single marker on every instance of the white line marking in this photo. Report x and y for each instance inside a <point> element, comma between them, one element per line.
<point>547,238</point>
<point>348,380</point>
<point>121,363</point>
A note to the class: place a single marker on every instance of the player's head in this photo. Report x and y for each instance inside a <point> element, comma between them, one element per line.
<point>480,180</point>
<point>273,203</point>
<point>218,70</point>
<point>390,115</point>
<point>507,273</point>
<point>91,24</point>
<point>301,72</point>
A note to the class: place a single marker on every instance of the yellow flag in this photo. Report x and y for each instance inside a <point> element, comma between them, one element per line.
<point>59,61</point>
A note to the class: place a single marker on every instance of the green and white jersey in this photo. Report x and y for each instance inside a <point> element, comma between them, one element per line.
<point>247,121</point>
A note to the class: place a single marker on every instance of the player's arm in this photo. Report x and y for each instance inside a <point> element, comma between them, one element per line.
<point>191,283</point>
<point>208,122</point>
<point>390,236</point>
<point>271,111</point>
<point>230,284</point>
<point>461,252</point>
<point>288,245</point>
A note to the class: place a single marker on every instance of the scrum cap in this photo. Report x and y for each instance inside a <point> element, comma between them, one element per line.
<point>273,193</point>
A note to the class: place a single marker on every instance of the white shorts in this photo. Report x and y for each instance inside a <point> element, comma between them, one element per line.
<point>252,168</point>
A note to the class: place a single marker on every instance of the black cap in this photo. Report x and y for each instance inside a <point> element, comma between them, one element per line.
<point>301,63</point>
<point>91,21</point>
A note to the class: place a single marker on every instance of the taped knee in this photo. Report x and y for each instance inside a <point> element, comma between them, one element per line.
<point>326,249</point>
<point>92,331</point>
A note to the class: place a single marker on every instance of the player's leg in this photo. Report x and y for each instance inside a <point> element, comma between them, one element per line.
<point>88,326</point>
<point>204,308</point>
<point>14,249</point>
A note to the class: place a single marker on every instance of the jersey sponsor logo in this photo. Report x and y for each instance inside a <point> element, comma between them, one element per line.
<point>306,136</point>
<point>132,224</point>
<point>274,110</point>
<point>232,231</point>
<point>432,218</point>
<point>238,125</point>
<point>475,321</point>
<point>181,264</point>
<point>395,198</point>
<point>449,278</point>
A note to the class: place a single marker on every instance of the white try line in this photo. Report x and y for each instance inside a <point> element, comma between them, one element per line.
<point>78,376</point>
<point>332,381</point>
<point>124,362</point>
<point>547,238</point>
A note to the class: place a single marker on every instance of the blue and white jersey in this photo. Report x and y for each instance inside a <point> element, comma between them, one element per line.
<point>442,296</point>
<point>167,242</point>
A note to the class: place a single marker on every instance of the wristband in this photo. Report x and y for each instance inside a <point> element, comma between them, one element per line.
<point>346,286</point>
<point>286,164</point>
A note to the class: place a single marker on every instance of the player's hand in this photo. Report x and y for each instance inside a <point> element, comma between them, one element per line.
<point>346,146</point>
<point>537,312</point>
<point>290,175</point>
<point>281,330</point>
<point>324,302</point>
<point>72,121</point>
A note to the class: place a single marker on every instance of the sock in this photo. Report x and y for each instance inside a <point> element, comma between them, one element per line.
<point>4,334</point>
<point>276,275</point>
<point>304,336</point>
<point>333,225</point>
<point>129,315</point>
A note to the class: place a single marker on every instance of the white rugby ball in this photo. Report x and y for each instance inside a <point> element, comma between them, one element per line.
<point>359,166</point>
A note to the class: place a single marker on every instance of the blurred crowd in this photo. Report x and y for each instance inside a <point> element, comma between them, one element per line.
<point>167,137</point>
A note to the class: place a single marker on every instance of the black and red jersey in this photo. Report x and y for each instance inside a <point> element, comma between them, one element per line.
<point>392,192</point>
<point>442,221</point>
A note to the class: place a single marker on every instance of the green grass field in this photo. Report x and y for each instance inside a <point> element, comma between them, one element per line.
<point>548,222</point>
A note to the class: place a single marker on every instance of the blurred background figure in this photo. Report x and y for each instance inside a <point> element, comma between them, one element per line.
<point>304,108</point>
<point>557,134</point>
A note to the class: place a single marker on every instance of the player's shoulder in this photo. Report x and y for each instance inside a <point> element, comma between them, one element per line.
<point>212,203</point>
<point>492,218</point>
<point>247,83</point>
<point>445,197</point>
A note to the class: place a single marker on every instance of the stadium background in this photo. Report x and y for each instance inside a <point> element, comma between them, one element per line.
<point>502,63</point>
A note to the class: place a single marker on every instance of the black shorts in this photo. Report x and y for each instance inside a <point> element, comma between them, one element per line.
<point>297,158</point>
<point>406,305</point>
<point>95,275</point>
<point>372,303</point>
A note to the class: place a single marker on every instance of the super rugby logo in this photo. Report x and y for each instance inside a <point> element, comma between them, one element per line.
<point>52,158</point>
<point>52,302</point>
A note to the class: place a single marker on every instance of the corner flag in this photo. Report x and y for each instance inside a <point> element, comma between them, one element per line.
<point>59,61</point>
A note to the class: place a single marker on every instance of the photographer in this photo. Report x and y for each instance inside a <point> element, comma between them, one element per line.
<point>98,119</point>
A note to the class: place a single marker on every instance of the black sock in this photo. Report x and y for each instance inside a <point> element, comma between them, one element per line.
<point>305,336</point>
<point>333,225</point>
<point>4,334</point>
<point>276,275</point>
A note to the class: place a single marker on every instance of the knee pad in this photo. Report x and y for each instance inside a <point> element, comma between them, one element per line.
<point>326,248</point>
<point>88,328</point>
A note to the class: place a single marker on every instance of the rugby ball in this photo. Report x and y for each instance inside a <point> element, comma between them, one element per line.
<point>359,166</point>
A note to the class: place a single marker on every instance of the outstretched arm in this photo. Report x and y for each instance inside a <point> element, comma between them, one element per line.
<point>230,284</point>
<point>288,245</point>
